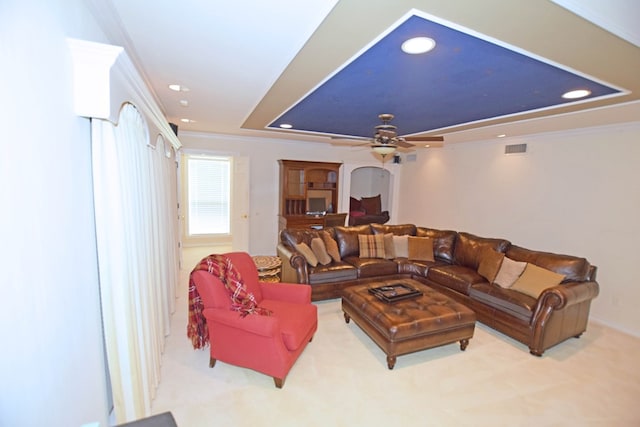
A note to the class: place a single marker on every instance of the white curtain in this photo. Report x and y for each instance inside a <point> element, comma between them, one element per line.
<point>137,229</point>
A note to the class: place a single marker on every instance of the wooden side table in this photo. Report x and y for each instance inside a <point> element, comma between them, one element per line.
<point>268,267</point>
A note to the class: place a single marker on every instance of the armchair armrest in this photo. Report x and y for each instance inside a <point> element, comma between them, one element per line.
<point>265,326</point>
<point>290,292</point>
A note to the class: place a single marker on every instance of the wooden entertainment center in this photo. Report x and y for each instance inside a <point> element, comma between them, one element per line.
<point>306,190</point>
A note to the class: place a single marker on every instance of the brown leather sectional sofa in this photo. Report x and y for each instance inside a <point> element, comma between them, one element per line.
<point>559,313</point>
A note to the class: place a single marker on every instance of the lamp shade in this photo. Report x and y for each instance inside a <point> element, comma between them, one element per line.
<point>384,149</point>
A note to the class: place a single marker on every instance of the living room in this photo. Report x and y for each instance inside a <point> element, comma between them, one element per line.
<point>574,191</point>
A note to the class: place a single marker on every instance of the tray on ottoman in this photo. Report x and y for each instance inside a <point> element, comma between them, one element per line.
<point>394,292</point>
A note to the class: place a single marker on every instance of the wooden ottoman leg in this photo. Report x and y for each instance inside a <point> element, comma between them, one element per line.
<point>347,318</point>
<point>463,344</point>
<point>391,362</point>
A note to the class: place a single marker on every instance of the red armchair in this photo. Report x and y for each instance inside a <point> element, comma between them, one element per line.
<point>267,344</point>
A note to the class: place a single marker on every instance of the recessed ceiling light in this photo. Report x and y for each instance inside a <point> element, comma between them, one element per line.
<point>187,121</point>
<point>184,102</point>
<point>286,126</point>
<point>418,45</point>
<point>178,88</point>
<point>575,94</point>
<point>502,135</point>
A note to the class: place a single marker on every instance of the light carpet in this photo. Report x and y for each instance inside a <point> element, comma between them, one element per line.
<point>341,379</point>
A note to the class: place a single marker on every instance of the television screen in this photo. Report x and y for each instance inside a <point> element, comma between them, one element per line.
<point>316,204</point>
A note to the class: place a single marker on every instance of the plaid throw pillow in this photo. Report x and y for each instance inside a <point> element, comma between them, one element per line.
<point>371,245</point>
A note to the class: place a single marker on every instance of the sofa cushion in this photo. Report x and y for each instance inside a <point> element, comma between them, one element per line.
<point>347,239</point>
<point>573,268</point>
<point>401,246</point>
<point>468,249</point>
<point>373,267</point>
<point>396,230</point>
<point>320,251</point>
<point>506,300</point>
<point>509,272</point>
<point>371,245</point>
<point>335,272</point>
<point>414,267</point>
<point>420,248</point>
<point>372,205</point>
<point>490,262</point>
<point>307,253</point>
<point>456,277</point>
<point>331,245</point>
<point>534,280</point>
<point>443,241</point>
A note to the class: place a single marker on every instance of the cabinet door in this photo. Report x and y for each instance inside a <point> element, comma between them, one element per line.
<point>295,182</point>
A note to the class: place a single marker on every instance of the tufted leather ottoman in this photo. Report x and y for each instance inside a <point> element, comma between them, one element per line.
<point>402,327</point>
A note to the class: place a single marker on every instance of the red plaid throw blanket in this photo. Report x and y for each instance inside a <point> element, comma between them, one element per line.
<point>241,300</point>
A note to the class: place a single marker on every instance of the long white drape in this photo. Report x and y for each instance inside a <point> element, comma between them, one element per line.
<point>136,228</point>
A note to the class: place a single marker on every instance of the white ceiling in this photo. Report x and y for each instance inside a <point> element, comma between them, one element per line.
<point>231,55</point>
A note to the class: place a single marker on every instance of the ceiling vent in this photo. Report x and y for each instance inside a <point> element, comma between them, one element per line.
<point>515,148</point>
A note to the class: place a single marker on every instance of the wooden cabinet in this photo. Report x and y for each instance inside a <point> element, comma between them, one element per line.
<point>307,188</point>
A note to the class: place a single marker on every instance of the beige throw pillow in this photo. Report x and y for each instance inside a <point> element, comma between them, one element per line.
<point>509,272</point>
<point>307,253</point>
<point>389,249</point>
<point>534,280</point>
<point>490,262</point>
<point>401,245</point>
<point>420,248</point>
<point>331,245</point>
<point>320,251</point>
<point>371,245</point>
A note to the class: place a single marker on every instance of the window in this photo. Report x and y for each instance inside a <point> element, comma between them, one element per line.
<point>209,190</point>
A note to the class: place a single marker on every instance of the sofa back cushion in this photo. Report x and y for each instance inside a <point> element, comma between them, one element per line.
<point>573,268</point>
<point>443,242</point>
<point>293,236</point>
<point>347,239</point>
<point>468,249</point>
<point>396,230</point>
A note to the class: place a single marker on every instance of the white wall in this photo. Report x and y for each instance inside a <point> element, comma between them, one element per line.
<point>264,175</point>
<point>51,363</point>
<point>575,192</point>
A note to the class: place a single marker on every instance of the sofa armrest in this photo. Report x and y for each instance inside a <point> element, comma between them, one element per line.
<point>294,265</point>
<point>565,295</point>
<point>290,292</point>
<point>265,326</point>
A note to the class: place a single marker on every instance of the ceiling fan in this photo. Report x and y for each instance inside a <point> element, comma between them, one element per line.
<point>386,140</point>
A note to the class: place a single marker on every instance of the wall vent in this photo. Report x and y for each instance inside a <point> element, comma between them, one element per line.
<point>515,148</point>
<point>412,157</point>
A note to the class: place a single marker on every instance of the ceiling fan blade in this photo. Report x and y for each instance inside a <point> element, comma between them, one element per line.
<point>400,142</point>
<point>424,138</point>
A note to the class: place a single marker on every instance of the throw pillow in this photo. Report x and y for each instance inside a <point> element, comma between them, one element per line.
<point>536,279</point>
<point>372,205</point>
<point>420,248</point>
<point>401,245</point>
<point>331,245</point>
<point>389,249</point>
<point>320,251</point>
<point>509,272</point>
<point>307,253</point>
<point>354,204</point>
<point>371,245</point>
<point>490,262</point>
